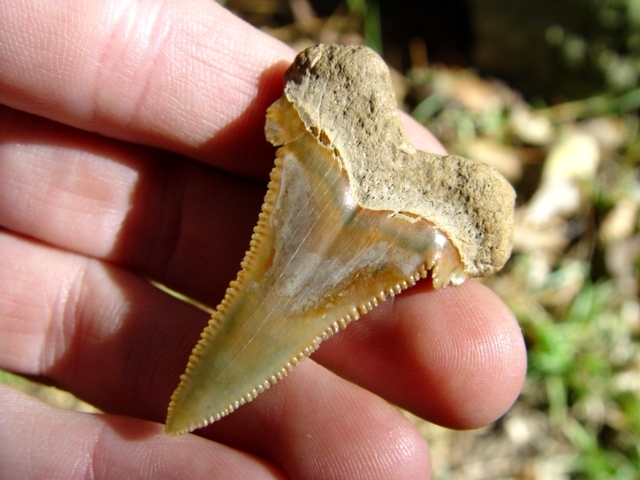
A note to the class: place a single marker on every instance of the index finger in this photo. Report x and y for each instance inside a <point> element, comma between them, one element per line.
<point>185,76</point>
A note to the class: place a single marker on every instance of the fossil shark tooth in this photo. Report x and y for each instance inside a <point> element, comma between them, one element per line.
<point>353,214</point>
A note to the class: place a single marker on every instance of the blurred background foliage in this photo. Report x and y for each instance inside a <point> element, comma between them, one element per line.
<point>569,48</point>
<point>548,93</point>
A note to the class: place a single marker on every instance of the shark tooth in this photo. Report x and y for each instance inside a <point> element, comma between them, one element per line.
<point>353,215</point>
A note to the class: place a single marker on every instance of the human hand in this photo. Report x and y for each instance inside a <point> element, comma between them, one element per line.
<point>131,146</point>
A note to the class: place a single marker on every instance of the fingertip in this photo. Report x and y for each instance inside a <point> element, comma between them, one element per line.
<point>475,358</point>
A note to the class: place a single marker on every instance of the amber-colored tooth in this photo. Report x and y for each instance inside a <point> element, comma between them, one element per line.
<point>353,214</point>
<point>317,262</point>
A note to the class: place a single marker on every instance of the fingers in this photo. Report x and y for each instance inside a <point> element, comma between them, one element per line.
<point>184,76</point>
<point>79,83</point>
<point>40,441</point>
<point>120,344</point>
<point>94,329</point>
<point>169,218</point>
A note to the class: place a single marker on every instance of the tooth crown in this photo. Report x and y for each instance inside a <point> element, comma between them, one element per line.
<point>353,214</point>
